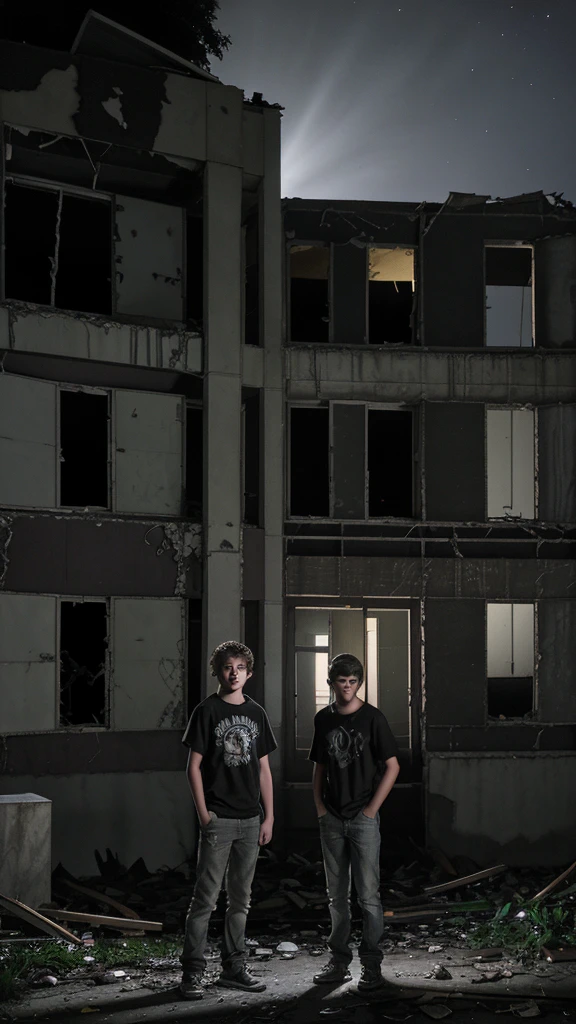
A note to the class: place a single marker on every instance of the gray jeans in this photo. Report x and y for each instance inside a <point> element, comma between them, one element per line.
<point>351,850</point>
<point>227,852</point>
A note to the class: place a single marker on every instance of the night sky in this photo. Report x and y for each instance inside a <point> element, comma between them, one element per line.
<point>412,99</point>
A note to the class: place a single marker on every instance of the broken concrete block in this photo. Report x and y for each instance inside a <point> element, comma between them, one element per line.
<point>441,973</point>
<point>287,947</point>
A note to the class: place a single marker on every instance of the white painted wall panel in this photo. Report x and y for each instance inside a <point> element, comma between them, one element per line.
<point>510,463</point>
<point>509,639</point>
<point>509,316</point>
<point>148,638</point>
<point>28,668</point>
<point>149,259</point>
<point>523,463</point>
<point>148,452</point>
<point>27,442</point>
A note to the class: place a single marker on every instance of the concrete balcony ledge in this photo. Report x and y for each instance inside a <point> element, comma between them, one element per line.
<point>25,327</point>
<point>414,374</point>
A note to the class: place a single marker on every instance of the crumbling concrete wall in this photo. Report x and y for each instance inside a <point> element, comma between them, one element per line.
<point>494,808</point>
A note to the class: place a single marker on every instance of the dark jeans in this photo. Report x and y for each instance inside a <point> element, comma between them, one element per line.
<point>227,851</point>
<point>351,850</point>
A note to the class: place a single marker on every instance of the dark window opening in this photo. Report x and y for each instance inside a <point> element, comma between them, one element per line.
<point>509,266</point>
<point>83,449</point>
<point>194,463</point>
<point>510,696</point>
<point>29,234</point>
<point>509,296</point>
<point>252,282</point>
<point>194,271</point>
<point>195,674</point>
<point>252,634</point>
<point>309,308</point>
<point>83,646</point>
<point>390,463</point>
<point>309,464</point>
<point>58,249</point>
<point>390,296</point>
<point>251,459</point>
<point>83,279</point>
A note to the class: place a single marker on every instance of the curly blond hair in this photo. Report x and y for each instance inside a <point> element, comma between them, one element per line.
<point>230,649</point>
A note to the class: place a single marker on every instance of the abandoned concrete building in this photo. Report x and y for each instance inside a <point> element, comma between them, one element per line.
<point>432,503</point>
<point>351,429</point>
<point>140,331</point>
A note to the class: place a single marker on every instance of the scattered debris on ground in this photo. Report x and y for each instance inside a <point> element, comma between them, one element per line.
<point>494,923</point>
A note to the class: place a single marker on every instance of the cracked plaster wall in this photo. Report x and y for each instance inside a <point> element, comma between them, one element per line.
<point>99,556</point>
<point>25,328</point>
<point>517,808</point>
<point>124,105</point>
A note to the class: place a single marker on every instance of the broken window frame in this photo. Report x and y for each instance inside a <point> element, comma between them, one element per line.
<point>314,243</point>
<point>99,727</point>
<point>86,389</point>
<point>512,409</point>
<point>510,244</point>
<point>59,189</point>
<point>288,456</point>
<point>297,763</point>
<point>532,715</point>
<point>368,406</point>
<point>415,284</point>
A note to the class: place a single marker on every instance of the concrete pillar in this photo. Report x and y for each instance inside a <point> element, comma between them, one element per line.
<point>222,404</point>
<point>555,291</point>
<point>26,848</point>
<point>273,419</point>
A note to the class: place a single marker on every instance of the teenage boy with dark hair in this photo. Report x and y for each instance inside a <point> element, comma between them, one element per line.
<point>229,736</point>
<point>355,768</point>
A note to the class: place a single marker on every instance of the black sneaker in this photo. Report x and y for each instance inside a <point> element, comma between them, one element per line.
<point>241,978</point>
<point>370,977</point>
<point>333,973</point>
<point>191,986</point>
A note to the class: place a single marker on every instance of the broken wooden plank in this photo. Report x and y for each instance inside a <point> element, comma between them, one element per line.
<point>434,910</point>
<point>553,884</point>
<point>100,897</point>
<point>17,909</point>
<point>123,923</point>
<point>557,955</point>
<point>455,883</point>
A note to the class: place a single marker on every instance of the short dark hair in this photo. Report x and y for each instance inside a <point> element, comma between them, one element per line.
<point>345,665</point>
<point>230,649</point>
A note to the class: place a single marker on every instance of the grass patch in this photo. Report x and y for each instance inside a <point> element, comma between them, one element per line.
<point>19,961</point>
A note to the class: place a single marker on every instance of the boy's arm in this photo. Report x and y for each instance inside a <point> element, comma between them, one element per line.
<point>267,794</point>
<point>318,788</point>
<point>383,788</point>
<point>197,786</point>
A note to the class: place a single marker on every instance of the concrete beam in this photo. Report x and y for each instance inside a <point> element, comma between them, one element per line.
<point>373,374</point>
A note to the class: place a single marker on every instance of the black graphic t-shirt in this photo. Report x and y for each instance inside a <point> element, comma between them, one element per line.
<point>354,749</point>
<point>231,738</point>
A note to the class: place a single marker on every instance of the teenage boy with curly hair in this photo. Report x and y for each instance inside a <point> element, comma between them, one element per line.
<point>355,767</point>
<point>230,738</point>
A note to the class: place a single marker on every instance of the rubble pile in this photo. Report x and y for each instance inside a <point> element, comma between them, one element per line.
<point>441,917</point>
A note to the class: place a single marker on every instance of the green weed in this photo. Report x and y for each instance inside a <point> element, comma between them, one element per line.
<point>527,928</point>
<point>19,961</point>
